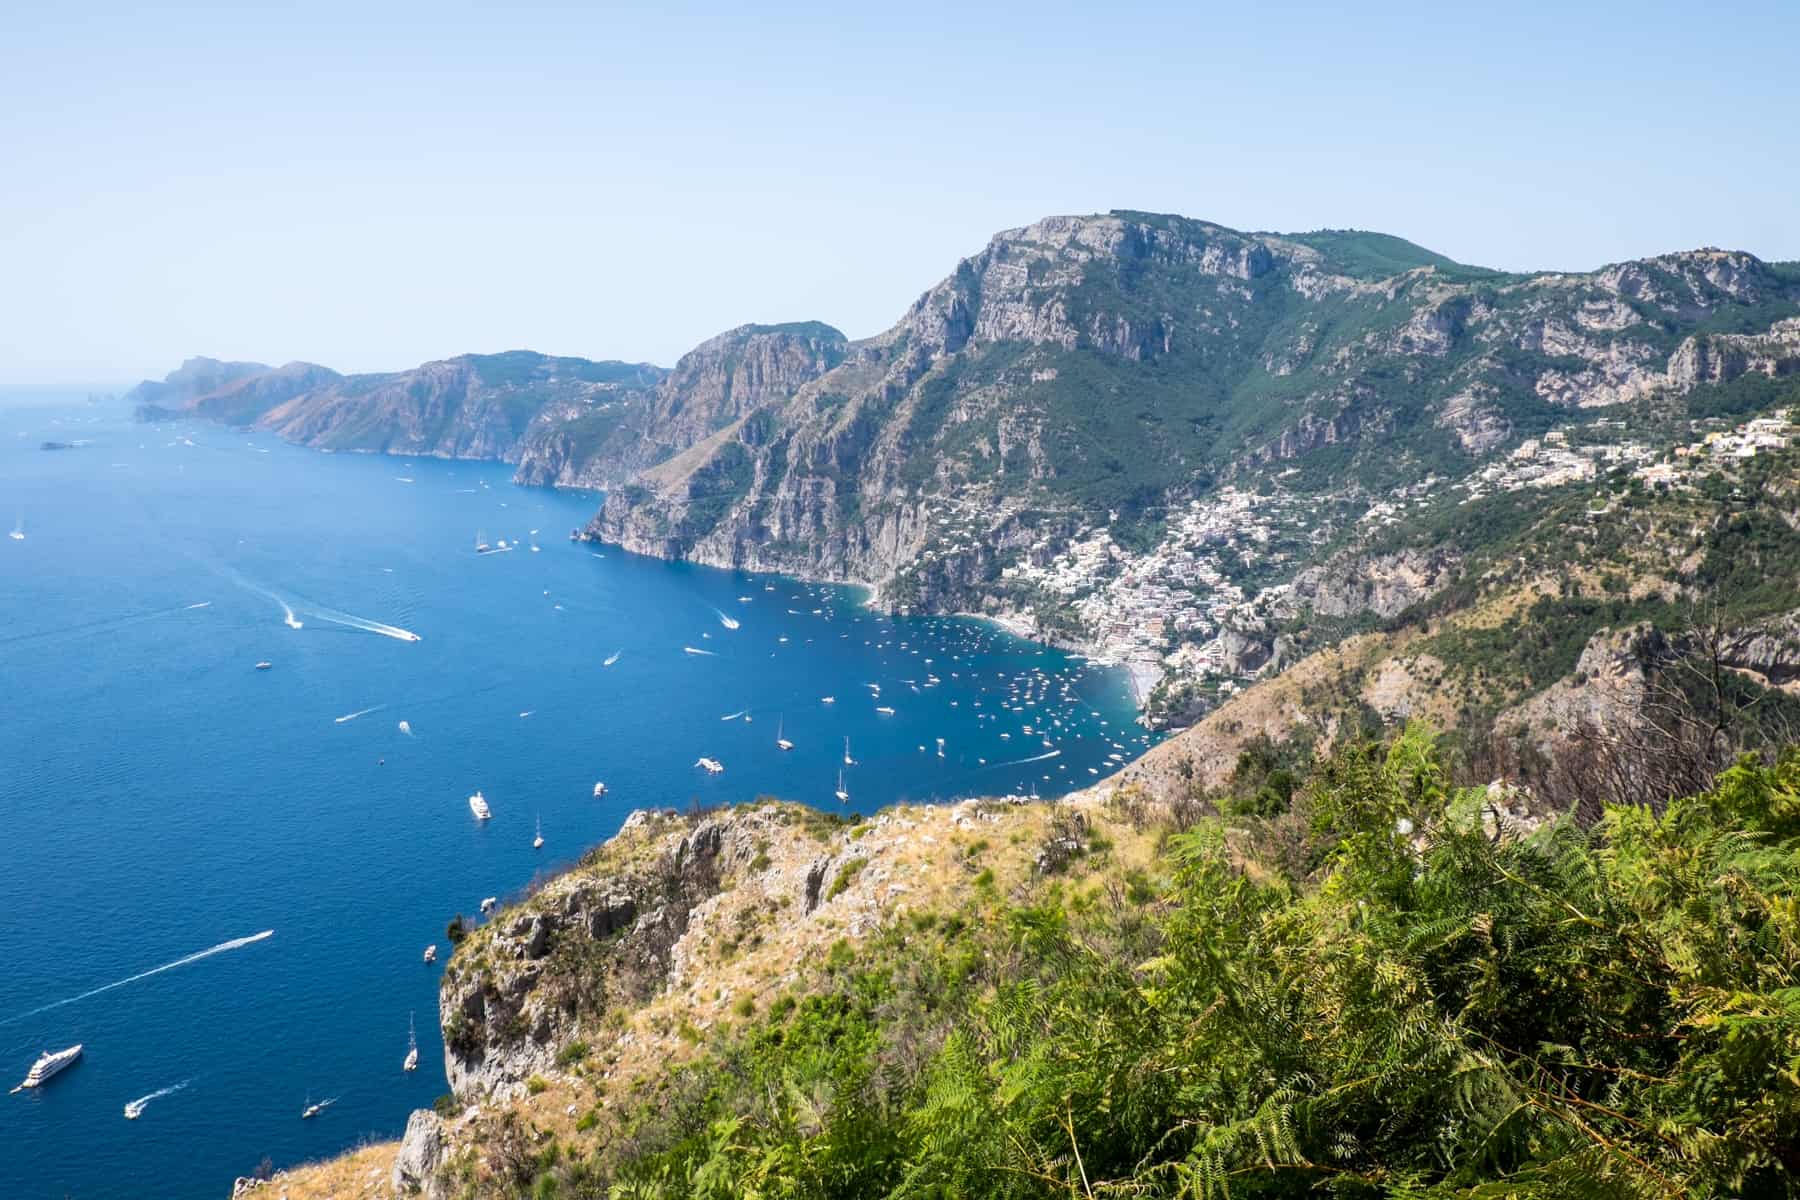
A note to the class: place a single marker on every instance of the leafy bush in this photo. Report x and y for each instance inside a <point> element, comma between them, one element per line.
<point>1591,1011</point>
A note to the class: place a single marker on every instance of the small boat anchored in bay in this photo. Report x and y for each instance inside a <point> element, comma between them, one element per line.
<point>479,806</point>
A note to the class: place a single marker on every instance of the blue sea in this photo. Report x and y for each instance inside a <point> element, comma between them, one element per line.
<point>161,798</point>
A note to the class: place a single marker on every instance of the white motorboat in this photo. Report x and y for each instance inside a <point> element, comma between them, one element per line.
<point>711,766</point>
<point>431,953</point>
<point>599,790</point>
<point>479,806</point>
<point>49,1063</point>
<point>537,842</point>
<point>264,665</point>
<point>490,904</point>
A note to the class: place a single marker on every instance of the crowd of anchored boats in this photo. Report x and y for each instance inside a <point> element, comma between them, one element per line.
<point>1029,691</point>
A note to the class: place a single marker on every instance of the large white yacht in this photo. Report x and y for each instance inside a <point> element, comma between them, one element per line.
<point>479,806</point>
<point>48,1064</point>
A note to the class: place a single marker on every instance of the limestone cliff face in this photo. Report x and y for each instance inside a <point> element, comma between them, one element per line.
<point>1083,368</point>
<point>1385,584</point>
<point>716,383</point>
<point>1721,358</point>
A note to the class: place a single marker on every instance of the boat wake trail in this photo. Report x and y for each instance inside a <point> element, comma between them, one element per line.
<point>221,948</point>
<point>727,622</point>
<point>94,626</point>
<point>134,1109</point>
<point>734,716</point>
<point>1019,762</point>
<point>703,653</point>
<point>287,610</point>
<point>361,712</point>
<point>351,621</point>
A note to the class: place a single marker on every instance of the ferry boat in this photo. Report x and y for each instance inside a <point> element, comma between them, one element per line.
<point>49,1063</point>
<point>479,807</point>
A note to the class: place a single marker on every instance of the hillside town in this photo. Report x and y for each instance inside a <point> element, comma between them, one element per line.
<point>1179,612</point>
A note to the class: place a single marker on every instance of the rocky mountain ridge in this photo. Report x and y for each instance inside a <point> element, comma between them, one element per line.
<point>1089,369</point>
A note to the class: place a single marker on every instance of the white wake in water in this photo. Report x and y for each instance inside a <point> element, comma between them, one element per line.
<point>361,712</point>
<point>1019,762</point>
<point>727,622</point>
<point>221,948</point>
<point>704,653</point>
<point>104,623</point>
<point>734,716</point>
<point>352,621</point>
<point>287,610</point>
<point>136,1107</point>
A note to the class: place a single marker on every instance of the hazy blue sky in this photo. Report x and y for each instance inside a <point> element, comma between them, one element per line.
<point>369,186</point>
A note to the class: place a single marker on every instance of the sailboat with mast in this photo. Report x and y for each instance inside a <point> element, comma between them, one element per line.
<point>781,742</point>
<point>537,843</point>
<point>848,761</point>
<point>412,1046</point>
<point>18,529</point>
<point>842,795</point>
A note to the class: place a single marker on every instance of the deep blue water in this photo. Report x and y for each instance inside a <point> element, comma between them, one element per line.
<point>159,796</point>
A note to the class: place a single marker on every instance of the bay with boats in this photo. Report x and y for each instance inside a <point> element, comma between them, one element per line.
<point>253,694</point>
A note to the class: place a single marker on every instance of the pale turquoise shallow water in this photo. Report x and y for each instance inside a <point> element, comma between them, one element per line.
<point>159,796</point>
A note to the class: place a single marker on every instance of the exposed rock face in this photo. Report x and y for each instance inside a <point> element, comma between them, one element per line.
<point>718,382</point>
<point>1083,365</point>
<point>1770,650</point>
<point>1385,585</point>
<point>1722,357</point>
<point>1606,690</point>
<point>421,1154</point>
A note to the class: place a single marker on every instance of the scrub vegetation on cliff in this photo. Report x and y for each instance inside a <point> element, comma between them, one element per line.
<point>1367,980</point>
